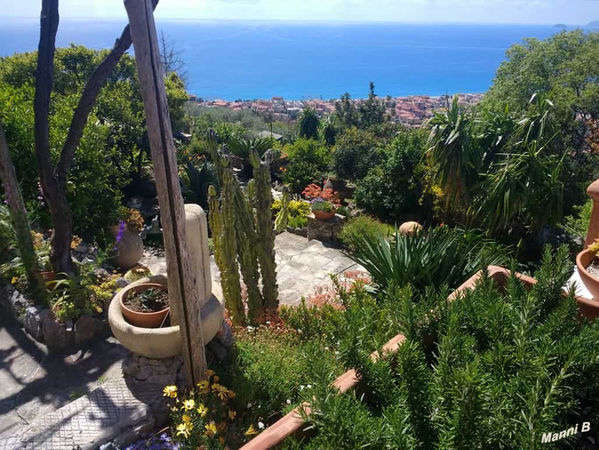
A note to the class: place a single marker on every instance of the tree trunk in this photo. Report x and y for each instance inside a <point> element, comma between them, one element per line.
<point>18,214</point>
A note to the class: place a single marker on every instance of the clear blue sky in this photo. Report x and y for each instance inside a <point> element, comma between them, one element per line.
<point>570,12</point>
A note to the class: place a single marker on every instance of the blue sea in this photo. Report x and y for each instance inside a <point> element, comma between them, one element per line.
<point>249,60</point>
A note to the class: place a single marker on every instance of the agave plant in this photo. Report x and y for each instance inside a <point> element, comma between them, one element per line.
<point>199,179</point>
<point>435,257</point>
<point>242,148</point>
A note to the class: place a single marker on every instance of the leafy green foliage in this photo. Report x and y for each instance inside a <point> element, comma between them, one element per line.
<point>197,179</point>
<point>436,257</point>
<point>309,159</point>
<point>506,365</point>
<point>355,152</point>
<point>562,66</point>
<point>114,141</point>
<point>357,227</point>
<point>393,189</point>
<point>578,223</point>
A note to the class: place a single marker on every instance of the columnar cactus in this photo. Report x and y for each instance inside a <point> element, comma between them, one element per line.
<point>225,251</point>
<point>262,203</point>
<point>243,236</point>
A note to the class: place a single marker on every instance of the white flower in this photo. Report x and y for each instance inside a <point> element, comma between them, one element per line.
<point>260,425</point>
<point>249,405</point>
<point>309,386</point>
<point>288,402</point>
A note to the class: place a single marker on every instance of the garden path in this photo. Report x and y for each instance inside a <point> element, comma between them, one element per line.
<point>303,266</point>
<point>35,383</point>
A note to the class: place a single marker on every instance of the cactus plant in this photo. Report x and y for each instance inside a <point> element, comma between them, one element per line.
<point>245,241</point>
<point>225,252</point>
<point>262,203</point>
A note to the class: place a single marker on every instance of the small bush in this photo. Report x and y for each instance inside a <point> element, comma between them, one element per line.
<point>358,227</point>
<point>355,153</point>
<point>309,159</point>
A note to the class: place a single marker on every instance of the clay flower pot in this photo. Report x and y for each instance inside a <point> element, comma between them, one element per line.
<point>144,319</point>
<point>129,247</point>
<point>584,260</point>
<point>322,215</point>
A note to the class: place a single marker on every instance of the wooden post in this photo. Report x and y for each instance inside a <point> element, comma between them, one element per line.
<point>18,215</point>
<point>182,278</point>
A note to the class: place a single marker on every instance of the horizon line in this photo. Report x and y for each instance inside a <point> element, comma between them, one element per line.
<point>311,21</point>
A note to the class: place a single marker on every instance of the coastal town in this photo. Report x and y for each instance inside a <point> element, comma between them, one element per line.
<point>412,110</point>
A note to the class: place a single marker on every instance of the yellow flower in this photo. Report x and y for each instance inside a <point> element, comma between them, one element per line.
<point>221,391</point>
<point>232,414</point>
<point>203,385</point>
<point>170,391</point>
<point>202,410</point>
<point>189,404</point>
<point>184,429</point>
<point>209,372</point>
<point>14,280</point>
<point>221,440</point>
<point>186,418</point>
<point>251,431</point>
<point>211,428</point>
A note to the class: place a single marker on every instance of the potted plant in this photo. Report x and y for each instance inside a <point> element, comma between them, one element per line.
<point>322,209</point>
<point>129,245</point>
<point>587,264</point>
<point>323,202</point>
<point>146,305</point>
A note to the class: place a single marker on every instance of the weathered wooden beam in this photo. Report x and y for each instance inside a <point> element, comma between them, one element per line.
<point>182,278</point>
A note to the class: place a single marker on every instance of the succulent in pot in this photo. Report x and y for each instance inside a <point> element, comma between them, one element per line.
<point>322,209</point>
<point>129,245</point>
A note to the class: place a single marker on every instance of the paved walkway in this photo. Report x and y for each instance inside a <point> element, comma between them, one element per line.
<point>303,266</point>
<point>35,383</point>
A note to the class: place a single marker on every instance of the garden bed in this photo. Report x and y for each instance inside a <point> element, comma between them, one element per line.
<point>41,324</point>
<point>293,423</point>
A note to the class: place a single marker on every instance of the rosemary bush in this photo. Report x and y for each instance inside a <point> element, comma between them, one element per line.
<point>496,368</point>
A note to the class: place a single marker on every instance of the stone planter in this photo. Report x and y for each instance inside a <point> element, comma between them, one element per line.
<point>129,249</point>
<point>143,319</point>
<point>159,343</point>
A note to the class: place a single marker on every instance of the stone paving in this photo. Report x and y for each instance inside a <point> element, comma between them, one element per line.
<point>303,266</point>
<point>35,383</point>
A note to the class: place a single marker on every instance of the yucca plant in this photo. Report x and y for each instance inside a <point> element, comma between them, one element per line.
<point>435,257</point>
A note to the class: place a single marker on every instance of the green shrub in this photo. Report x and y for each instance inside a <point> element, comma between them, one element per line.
<point>358,227</point>
<point>355,153</point>
<point>435,257</point>
<point>7,235</point>
<point>577,224</point>
<point>309,159</point>
<point>393,189</point>
<point>505,367</point>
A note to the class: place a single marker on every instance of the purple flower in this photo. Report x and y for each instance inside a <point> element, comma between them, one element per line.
<point>120,233</point>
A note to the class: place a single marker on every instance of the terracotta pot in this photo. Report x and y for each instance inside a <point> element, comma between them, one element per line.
<point>589,308</point>
<point>129,249</point>
<point>323,215</point>
<point>143,319</point>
